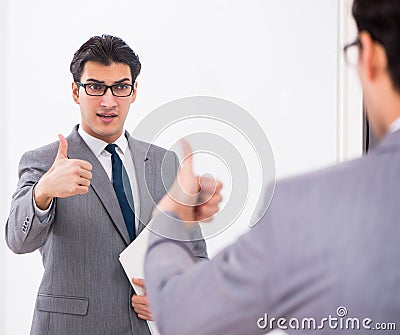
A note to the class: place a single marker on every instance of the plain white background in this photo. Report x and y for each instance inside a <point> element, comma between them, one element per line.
<point>279,60</point>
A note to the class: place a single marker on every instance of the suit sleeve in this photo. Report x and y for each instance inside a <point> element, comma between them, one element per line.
<point>24,231</point>
<point>222,296</point>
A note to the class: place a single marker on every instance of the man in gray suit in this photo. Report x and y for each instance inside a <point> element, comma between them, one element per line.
<point>324,258</point>
<point>77,199</point>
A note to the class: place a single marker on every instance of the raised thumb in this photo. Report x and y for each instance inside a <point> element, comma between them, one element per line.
<point>187,151</point>
<point>62,148</point>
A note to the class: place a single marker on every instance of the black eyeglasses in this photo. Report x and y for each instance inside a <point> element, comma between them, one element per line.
<point>351,54</point>
<point>97,90</point>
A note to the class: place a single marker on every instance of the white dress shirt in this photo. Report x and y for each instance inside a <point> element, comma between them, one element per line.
<point>394,126</point>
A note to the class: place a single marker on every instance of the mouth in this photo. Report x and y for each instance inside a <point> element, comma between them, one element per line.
<point>106,118</point>
<point>106,115</point>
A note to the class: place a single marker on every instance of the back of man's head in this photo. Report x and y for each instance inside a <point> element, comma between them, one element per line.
<point>381,19</point>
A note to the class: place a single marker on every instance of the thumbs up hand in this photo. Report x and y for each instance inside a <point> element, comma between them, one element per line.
<point>65,178</point>
<point>191,197</point>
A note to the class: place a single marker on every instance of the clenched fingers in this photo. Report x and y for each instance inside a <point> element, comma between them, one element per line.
<point>141,306</point>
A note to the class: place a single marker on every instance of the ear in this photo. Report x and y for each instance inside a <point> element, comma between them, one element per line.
<point>75,92</point>
<point>373,56</point>
<point>133,98</point>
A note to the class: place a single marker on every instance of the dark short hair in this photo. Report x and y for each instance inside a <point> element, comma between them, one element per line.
<point>104,49</point>
<point>381,19</point>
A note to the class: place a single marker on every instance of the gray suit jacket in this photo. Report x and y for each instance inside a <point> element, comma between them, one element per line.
<point>84,289</point>
<point>329,239</point>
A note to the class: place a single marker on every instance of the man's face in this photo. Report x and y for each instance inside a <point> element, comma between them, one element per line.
<point>104,116</point>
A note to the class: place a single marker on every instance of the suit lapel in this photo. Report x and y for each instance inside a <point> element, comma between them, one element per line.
<point>78,149</point>
<point>143,161</point>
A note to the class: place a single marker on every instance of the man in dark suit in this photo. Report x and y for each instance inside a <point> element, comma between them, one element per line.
<point>324,258</point>
<point>82,200</point>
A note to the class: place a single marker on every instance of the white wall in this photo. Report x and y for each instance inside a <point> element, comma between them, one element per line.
<point>349,126</point>
<point>277,59</point>
<point>4,198</point>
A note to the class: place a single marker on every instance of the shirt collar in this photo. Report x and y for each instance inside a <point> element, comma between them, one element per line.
<point>97,146</point>
<point>395,125</point>
<point>122,143</point>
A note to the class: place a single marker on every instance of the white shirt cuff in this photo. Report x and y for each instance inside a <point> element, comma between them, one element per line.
<point>43,215</point>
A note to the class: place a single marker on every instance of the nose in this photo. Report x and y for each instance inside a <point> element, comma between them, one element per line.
<point>108,99</point>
